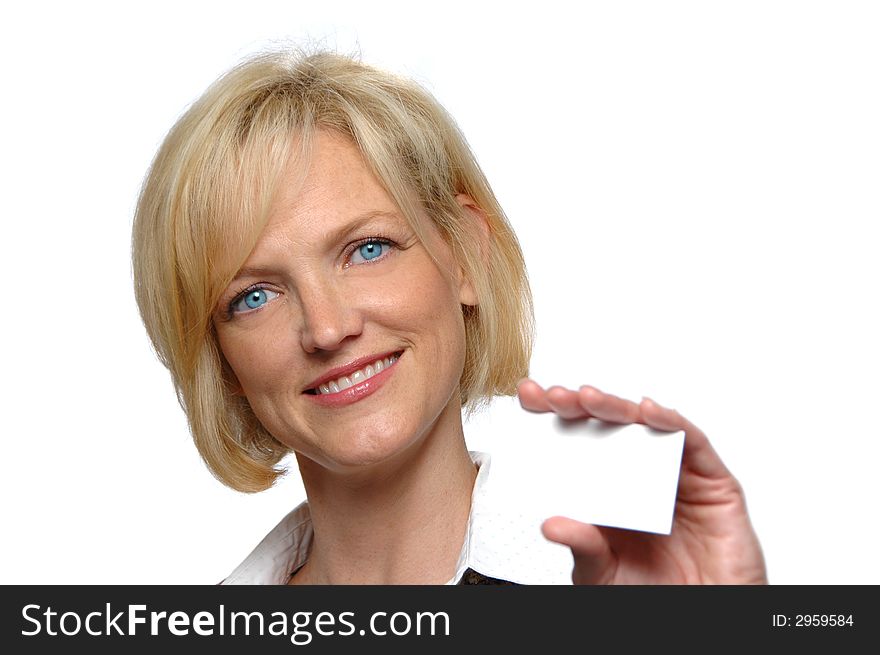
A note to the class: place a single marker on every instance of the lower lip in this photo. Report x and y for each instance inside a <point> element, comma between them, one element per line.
<point>355,392</point>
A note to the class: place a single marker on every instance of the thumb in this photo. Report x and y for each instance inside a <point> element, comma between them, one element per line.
<point>594,561</point>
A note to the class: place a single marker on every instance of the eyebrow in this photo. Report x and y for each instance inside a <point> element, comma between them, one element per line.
<point>331,237</point>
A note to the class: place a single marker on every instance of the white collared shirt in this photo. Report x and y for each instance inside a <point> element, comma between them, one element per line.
<point>501,542</point>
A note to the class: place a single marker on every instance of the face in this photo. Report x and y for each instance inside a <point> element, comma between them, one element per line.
<point>338,277</point>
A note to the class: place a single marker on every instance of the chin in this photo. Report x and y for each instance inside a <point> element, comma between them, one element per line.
<point>367,448</point>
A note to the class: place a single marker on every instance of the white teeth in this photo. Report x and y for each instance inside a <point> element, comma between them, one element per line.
<point>357,377</point>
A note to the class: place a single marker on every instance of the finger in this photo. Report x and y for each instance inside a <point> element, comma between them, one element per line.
<point>594,561</point>
<point>608,408</point>
<point>532,397</point>
<point>698,455</point>
<point>565,403</point>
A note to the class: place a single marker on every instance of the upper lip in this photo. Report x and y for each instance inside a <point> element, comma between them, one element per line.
<point>345,369</point>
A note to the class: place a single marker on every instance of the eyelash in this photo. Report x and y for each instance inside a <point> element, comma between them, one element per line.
<point>377,238</point>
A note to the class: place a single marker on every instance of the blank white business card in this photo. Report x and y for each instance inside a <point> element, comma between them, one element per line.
<point>623,476</point>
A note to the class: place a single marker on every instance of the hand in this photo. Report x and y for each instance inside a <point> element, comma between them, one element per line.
<point>712,539</point>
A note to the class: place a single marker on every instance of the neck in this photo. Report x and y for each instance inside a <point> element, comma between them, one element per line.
<point>399,522</point>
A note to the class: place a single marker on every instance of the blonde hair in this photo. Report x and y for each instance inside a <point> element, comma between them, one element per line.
<point>205,201</point>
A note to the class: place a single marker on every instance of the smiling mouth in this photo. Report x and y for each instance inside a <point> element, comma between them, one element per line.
<point>356,377</point>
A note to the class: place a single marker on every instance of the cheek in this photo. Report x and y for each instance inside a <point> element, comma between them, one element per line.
<point>432,310</point>
<point>422,301</point>
<point>254,358</point>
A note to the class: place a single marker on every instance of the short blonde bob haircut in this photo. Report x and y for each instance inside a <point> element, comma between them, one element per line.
<point>206,199</point>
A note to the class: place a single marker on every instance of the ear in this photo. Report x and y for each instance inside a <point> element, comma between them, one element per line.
<point>480,228</point>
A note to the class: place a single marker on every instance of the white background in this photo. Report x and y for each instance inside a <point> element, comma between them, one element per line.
<point>695,186</point>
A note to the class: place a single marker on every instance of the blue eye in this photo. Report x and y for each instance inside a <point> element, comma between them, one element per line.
<point>370,249</point>
<point>251,299</point>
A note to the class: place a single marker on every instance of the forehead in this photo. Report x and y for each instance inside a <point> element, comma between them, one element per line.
<point>332,187</point>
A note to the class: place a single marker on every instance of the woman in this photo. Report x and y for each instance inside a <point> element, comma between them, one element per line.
<point>323,268</point>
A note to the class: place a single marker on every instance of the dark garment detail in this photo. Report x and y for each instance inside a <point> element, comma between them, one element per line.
<point>295,571</point>
<point>469,577</point>
<point>472,577</point>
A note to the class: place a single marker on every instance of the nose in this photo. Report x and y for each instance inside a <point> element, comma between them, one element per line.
<point>329,317</point>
